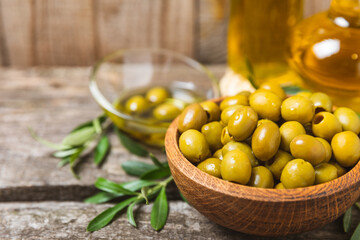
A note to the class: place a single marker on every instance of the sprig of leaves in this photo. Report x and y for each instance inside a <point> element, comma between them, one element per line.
<point>346,222</point>
<point>135,192</point>
<point>80,140</point>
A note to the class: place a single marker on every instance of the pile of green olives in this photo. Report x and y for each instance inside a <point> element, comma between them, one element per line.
<point>263,139</point>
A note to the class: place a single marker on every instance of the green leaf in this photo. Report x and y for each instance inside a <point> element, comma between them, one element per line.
<point>101,149</point>
<point>156,174</point>
<point>63,162</point>
<point>130,214</point>
<point>131,145</point>
<point>65,153</point>
<point>137,168</point>
<point>51,145</point>
<point>97,125</point>
<point>72,161</point>
<point>347,220</point>
<point>183,198</point>
<point>155,160</point>
<point>111,187</point>
<point>292,90</point>
<point>356,234</point>
<point>101,119</point>
<point>101,197</point>
<point>137,184</point>
<point>358,205</point>
<point>79,137</point>
<point>159,212</point>
<point>106,216</point>
<point>144,194</point>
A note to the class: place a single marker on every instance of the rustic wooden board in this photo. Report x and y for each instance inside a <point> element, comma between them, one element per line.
<point>68,220</point>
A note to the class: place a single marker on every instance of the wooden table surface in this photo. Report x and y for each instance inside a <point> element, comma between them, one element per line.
<point>40,201</point>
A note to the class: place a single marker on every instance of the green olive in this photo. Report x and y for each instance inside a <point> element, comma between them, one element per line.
<point>212,110</point>
<point>242,123</point>
<point>212,132</point>
<point>166,112</point>
<point>234,100</point>
<point>325,125</point>
<point>245,93</point>
<point>298,173</point>
<point>346,148</point>
<point>275,88</point>
<point>278,162</point>
<point>228,112</point>
<point>308,148</point>
<point>225,136</point>
<point>327,147</point>
<point>288,131</point>
<point>218,154</point>
<point>266,103</point>
<point>279,186</point>
<point>321,101</point>
<point>157,95</point>
<point>211,166</point>
<point>340,170</point>
<point>306,94</point>
<point>325,172</point>
<point>193,145</point>
<point>262,121</point>
<point>236,167</point>
<point>136,104</point>
<point>348,119</point>
<point>261,177</point>
<point>297,108</point>
<point>193,117</point>
<point>230,146</point>
<point>265,141</point>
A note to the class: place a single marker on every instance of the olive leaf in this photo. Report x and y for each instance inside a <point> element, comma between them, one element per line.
<point>101,120</point>
<point>47,143</point>
<point>101,197</point>
<point>106,216</point>
<point>357,205</point>
<point>79,137</point>
<point>65,153</point>
<point>155,160</point>
<point>130,214</point>
<point>292,90</point>
<point>111,187</point>
<point>183,198</point>
<point>347,220</point>
<point>159,212</point>
<point>144,193</point>
<point>101,149</point>
<point>137,168</point>
<point>356,234</point>
<point>157,173</point>
<point>63,162</point>
<point>131,145</point>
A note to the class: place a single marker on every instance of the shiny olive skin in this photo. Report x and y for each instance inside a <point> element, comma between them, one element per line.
<point>298,173</point>
<point>245,93</point>
<point>297,108</point>
<point>325,125</point>
<point>325,172</point>
<point>218,154</point>
<point>279,186</point>
<point>230,146</point>
<point>348,119</point>
<point>275,88</point>
<point>261,177</point>
<point>340,170</point>
<point>288,131</point>
<point>193,117</point>
<point>166,112</point>
<point>265,141</point>
<point>327,147</point>
<point>304,94</point>
<point>242,123</point>
<point>234,100</point>
<point>136,104</point>
<point>212,132</point>
<point>278,162</point>
<point>266,103</point>
<point>308,148</point>
<point>262,121</point>
<point>212,110</point>
<point>211,166</point>
<point>321,101</point>
<point>228,112</point>
<point>225,136</point>
<point>346,148</point>
<point>193,146</point>
<point>236,167</point>
<point>157,95</point>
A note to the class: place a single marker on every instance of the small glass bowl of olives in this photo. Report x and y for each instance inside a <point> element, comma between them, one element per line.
<point>143,90</point>
<point>266,164</point>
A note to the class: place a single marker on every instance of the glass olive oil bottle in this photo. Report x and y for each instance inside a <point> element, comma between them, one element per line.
<point>325,51</point>
<point>258,38</point>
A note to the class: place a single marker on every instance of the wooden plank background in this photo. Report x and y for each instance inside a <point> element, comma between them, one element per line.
<point>67,32</point>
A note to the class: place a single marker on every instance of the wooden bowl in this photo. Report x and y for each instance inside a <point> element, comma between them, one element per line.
<point>259,211</point>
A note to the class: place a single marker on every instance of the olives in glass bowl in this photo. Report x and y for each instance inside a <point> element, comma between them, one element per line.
<point>289,180</point>
<point>143,90</point>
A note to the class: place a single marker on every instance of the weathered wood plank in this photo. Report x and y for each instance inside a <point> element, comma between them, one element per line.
<point>59,220</point>
<point>151,24</point>
<point>64,32</point>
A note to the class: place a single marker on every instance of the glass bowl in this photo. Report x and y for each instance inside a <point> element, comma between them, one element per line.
<point>126,72</point>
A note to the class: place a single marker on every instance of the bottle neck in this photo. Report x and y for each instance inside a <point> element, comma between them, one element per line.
<point>345,13</point>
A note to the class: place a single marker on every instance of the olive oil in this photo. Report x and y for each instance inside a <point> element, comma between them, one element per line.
<point>258,38</point>
<point>326,52</point>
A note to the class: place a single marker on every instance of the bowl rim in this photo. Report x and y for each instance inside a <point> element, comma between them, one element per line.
<point>103,101</point>
<point>252,193</point>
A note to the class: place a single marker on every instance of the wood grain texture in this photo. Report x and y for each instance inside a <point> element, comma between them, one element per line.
<point>258,211</point>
